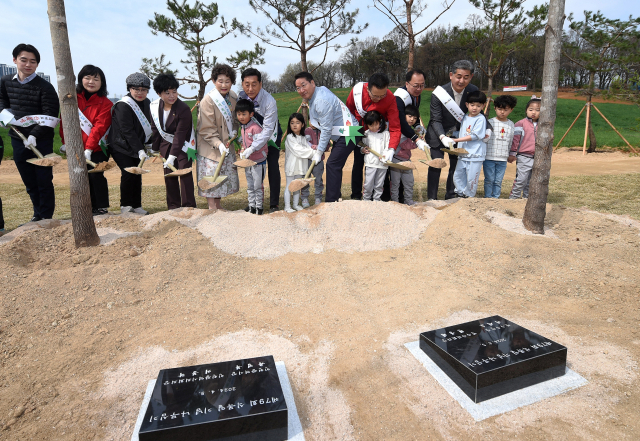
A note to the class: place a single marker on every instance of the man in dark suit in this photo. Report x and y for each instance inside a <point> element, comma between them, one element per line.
<point>442,123</point>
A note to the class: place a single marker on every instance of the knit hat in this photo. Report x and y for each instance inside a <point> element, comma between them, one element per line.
<point>138,80</point>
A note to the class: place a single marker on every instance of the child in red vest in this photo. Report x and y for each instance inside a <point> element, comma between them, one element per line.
<point>523,149</point>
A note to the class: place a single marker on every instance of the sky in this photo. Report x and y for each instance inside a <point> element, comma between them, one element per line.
<point>114,34</point>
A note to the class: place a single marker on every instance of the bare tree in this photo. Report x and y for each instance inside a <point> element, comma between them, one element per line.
<point>535,210</point>
<point>84,229</point>
<point>304,25</point>
<point>404,15</point>
<point>188,28</point>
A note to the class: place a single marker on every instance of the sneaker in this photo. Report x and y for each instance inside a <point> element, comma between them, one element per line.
<point>273,208</point>
<point>289,210</point>
<point>99,211</point>
<point>247,208</point>
<point>126,209</point>
<point>298,207</point>
<point>252,210</point>
<point>305,203</point>
<point>318,201</point>
<point>141,211</point>
<point>411,203</point>
<point>260,211</point>
<point>35,219</point>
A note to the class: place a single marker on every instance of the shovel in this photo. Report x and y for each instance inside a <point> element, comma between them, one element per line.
<point>174,171</point>
<point>100,167</point>
<point>454,151</point>
<point>44,161</point>
<point>435,163</point>
<point>215,181</point>
<point>244,163</point>
<point>406,165</point>
<point>299,184</point>
<point>137,170</point>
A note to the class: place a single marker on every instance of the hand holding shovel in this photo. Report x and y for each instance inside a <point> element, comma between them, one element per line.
<point>174,171</point>
<point>405,165</point>
<point>44,161</point>
<point>299,184</point>
<point>137,170</point>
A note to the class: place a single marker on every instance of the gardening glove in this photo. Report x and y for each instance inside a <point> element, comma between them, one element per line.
<point>30,142</point>
<point>447,142</point>
<point>388,155</point>
<point>317,157</point>
<point>87,155</point>
<point>421,144</point>
<point>63,148</point>
<point>487,135</point>
<point>247,152</point>
<point>170,160</point>
<point>223,149</point>
<point>142,154</point>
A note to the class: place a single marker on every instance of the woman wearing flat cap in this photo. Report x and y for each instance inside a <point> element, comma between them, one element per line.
<point>130,131</point>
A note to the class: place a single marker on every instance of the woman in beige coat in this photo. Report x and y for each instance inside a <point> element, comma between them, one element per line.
<point>217,124</point>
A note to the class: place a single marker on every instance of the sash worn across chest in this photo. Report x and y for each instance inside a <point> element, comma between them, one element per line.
<point>357,98</point>
<point>189,146</point>
<point>7,118</point>
<point>449,103</point>
<point>86,127</point>
<point>404,96</point>
<point>144,122</point>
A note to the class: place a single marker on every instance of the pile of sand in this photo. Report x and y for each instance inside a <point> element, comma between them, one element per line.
<point>349,226</point>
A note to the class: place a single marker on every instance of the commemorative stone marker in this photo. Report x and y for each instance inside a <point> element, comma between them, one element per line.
<point>493,356</point>
<point>239,400</point>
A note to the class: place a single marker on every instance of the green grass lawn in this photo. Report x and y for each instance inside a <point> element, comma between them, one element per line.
<point>625,117</point>
<point>616,194</point>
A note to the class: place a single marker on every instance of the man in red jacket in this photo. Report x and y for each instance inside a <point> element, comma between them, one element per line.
<point>364,97</point>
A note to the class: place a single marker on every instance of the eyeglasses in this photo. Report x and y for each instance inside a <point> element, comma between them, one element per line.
<point>417,86</point>
<point>302,86</point>
<point>140,89</point>
<point>378,97</point>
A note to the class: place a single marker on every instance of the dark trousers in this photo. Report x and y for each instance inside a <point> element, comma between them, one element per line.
<point>357,173</point>
<point>338,157</point>
<point>180,188</point>
<point>1,215</point>
<point>433,178</point>
<point>273,170</point>
<point>98,186</point>
<point>38,180</point>
<point>130,184</point>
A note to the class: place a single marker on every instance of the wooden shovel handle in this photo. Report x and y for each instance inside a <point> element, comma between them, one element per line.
<point>91,163</point>
<point>141,162</point>
<point>24,139</point>
<point>219,167</point>
<point>313,164</point>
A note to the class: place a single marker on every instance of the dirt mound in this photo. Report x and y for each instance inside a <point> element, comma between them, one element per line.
<point>377,226</point>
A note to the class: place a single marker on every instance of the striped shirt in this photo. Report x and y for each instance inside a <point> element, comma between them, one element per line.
<point>500,143</point>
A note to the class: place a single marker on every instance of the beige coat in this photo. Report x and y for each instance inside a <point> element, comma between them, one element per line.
<point>212,128</point>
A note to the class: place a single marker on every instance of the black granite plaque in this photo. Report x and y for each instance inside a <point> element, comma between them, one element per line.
<point>493,356</point>
<point>239,400</point>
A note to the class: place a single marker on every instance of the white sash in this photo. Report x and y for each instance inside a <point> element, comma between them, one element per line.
<point>7,118</point>
<point>347,120</point>
<point>449,103</point>
<point>188,143</point>
<point>404,96</point>
<point>223,107</point>
<point>86,127</point>
<point>146,125</point>
<point>357,98</point>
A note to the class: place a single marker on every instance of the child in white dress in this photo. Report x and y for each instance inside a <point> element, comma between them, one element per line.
<point>298,151</point>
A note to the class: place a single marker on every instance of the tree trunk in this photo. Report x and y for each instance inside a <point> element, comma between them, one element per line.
<point>490,84</point>
<point>84,229</point>
<point>303,44</point>
<point>535,210</point>
<point>592,135</point>
<point>412,37</point>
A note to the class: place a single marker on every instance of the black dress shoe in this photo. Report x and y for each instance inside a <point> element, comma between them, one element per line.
<point>260,211</point>
<point>273,208</point>
<point>252,210</point>
<point>35,219</point>
<point>247,208</point>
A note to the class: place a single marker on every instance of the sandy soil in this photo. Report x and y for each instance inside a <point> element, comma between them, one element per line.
<point>565,162</point>
<point>82,331</point>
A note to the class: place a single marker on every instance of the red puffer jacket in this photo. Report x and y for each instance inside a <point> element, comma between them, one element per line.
<point>97,109</point>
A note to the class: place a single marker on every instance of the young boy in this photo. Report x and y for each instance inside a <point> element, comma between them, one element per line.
<point>495,163</point>
<point>403,153</point>
<point>472,129</point>
<point>254,174</point>
<point>523,149</point>
<point>26,94</point>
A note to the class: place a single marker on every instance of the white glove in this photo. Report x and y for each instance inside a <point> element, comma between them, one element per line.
<point>447,142</point>
<point>63,148</point>
<point>317,157</point>
<point>487,135</point>
<point>170,160</point>
<point>248,152</point>
<point>87,155</point>
<point>421,144</point>
<point>388,155</point>
<point>142,154</point>
<point>223,149</point>
<point>30,142</point>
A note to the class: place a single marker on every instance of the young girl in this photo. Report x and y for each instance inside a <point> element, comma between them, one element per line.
<point>523,148</point>
<point>376,138</point>
<point>298,151</point>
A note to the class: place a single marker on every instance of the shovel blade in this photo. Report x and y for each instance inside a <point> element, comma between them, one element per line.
<point>400,166</point>
<point>207,183</point>
<point>244,163</point>
<point>299,184</point>
<point>435,163</point>
<point>135,170</point>
<point>46,161</point>
<point>182,172</point>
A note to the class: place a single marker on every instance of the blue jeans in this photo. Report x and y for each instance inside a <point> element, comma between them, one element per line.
<point>493,175</point>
